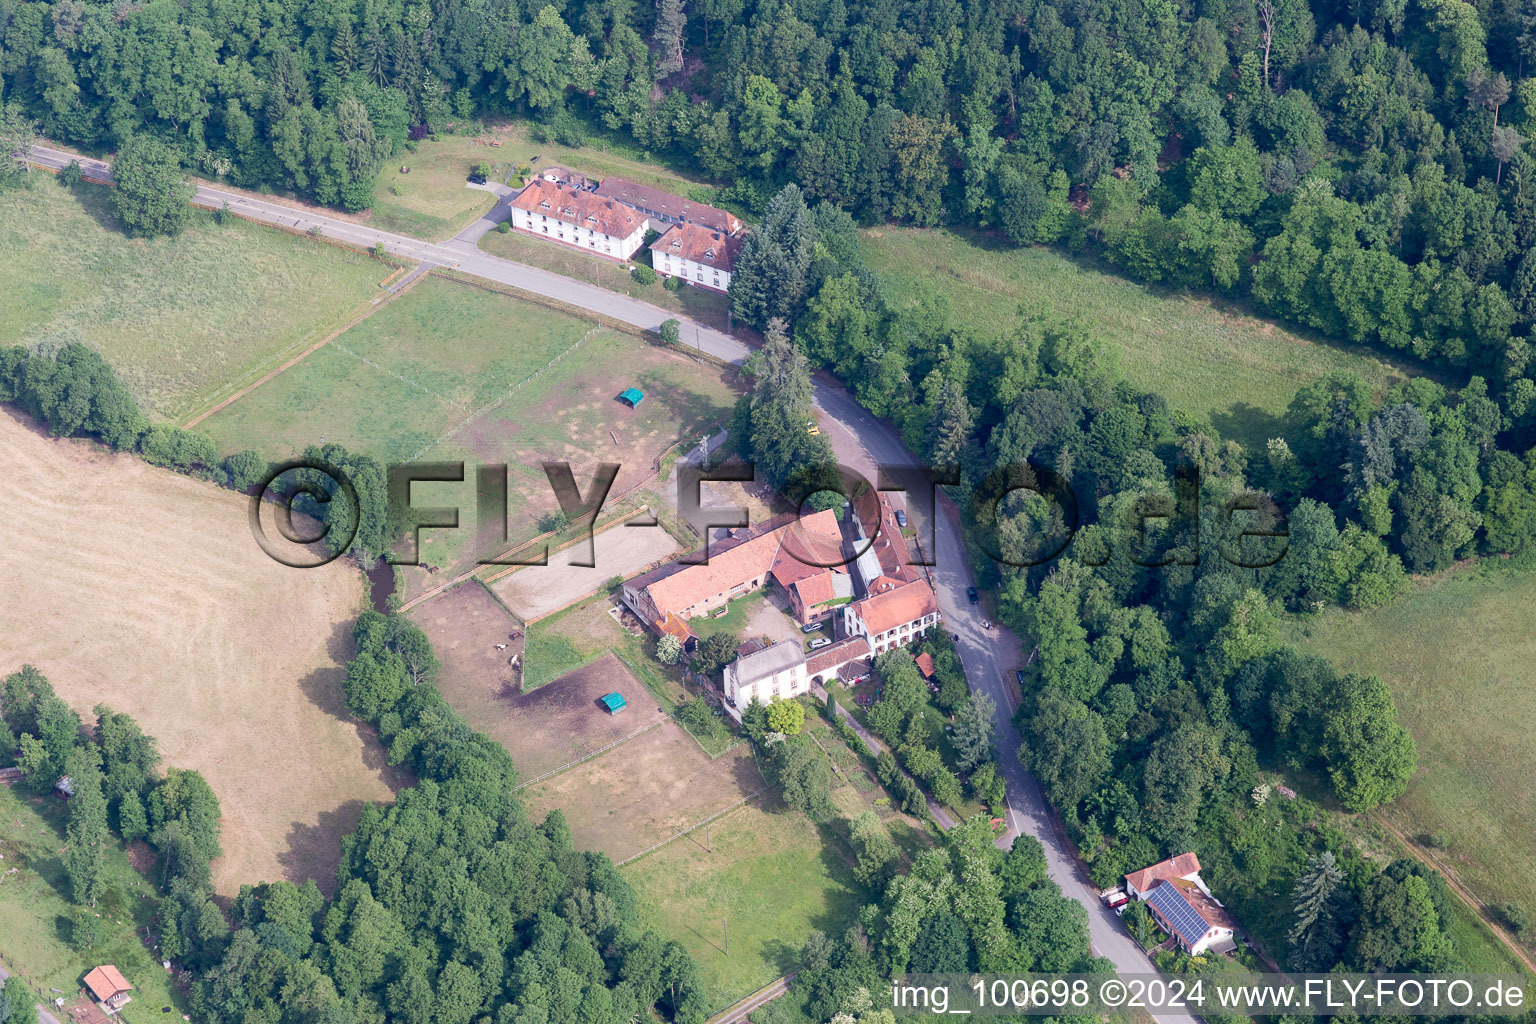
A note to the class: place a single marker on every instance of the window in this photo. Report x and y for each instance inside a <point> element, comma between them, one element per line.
<point>593,243</point>
<point>546,229</point>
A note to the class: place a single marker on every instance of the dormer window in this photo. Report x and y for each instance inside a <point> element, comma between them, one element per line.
<point>544,205</point>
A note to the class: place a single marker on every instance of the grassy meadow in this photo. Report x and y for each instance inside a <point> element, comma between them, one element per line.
<point>183,320</point>
<point>1458,655</point>
<point>1206,357</point>
<point>452,372</point>
<point>770,876</point>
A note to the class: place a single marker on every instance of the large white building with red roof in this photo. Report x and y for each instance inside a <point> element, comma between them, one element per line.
<point>578,218</point>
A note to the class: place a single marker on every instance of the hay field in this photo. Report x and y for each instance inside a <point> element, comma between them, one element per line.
<point>183,320</point>
<point>137,588</point>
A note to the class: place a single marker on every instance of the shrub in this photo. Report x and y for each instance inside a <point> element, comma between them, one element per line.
<point>670,331</point>
<point>669,649</point>
<point>70,176</point>
<point>643,275</point>
<point>672,284</point>
<point>504,227</point>
<point>378,249</point>
<point>553,522</point>
<point>1514,917</point>
<point>244,470</point>
<point>786,716</point>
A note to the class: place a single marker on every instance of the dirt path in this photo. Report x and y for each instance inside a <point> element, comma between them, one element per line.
<point>737,1012</point>
<point>1451,879</point>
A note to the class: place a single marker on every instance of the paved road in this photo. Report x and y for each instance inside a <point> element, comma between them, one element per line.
<point>44,1013</point>
<point>860,441</point>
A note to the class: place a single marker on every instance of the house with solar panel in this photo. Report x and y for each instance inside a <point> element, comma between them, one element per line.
<point>1182,905</point>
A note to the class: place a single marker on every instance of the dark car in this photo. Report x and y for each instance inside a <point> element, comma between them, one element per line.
<point>971,595</point>
<point>477,179</point>
<point>1018,674</point>
<point>901,518</point>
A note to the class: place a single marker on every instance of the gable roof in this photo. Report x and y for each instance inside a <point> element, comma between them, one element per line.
<point>925,665</point>
<point>1179,866</point>
<point>106,981</point>
<point>748,555</point>
<point>894,608</point>
<point>665,204</point>
<point>577,208</point>
<point>702,245</point>
<point>848,649</point>
<point>769,661</point>
<point>1188,911</point>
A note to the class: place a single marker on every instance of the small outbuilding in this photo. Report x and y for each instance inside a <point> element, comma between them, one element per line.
<point>109,987</point>
<point>632,397</point>
<point>614,702</point>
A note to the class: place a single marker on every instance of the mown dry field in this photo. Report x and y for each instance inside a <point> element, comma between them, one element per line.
<point>143,590</point>
<point>645,791</point>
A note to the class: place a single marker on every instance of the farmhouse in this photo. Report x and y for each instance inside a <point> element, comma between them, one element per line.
<point>695,254</point>
<point>1182,905</point>
<point>1192,916</point>
<point>578,218</point>
<point>665,208</point>
<point>739,565</point>
<point>885,602</point>
<point>109,987</point>
<point>1185,866</point>
<point>774,671</point>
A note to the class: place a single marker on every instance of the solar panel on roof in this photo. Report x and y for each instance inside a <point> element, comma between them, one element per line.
<point>1175,909</point>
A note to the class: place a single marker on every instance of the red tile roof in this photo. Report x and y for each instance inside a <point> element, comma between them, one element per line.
<point>1173,867</point>
<point>702,245</point>
<point>894,608</point>
<point>840,653</point>
<point>665,204</point>
<point>106,981</point>
<point>743,558</point>
<point>925,665</point>
<point>578,208</point>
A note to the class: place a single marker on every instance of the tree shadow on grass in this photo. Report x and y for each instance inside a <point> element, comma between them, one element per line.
<point>314,851</point>
<point>1248,424</point>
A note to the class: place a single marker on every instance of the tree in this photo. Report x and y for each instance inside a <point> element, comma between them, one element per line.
<point>1317,932</point>
<point>972,736</point>
<point>770,422</point>
<point>874,853</point>
<point>785,716</point>
<point>1505,143</point>
<point>667,39</point>
<point>17,136</point>
<point>714,653</point>
<point>771,276</point>
<point>803,775</point>
<point>86,834</point>
<point>668,331</point>
<point>1370,756</point>
<point>1064,744</point>
<point>669,649</point>
<point>152,196</point>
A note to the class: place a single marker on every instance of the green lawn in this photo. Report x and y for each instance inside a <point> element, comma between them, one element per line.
<point>432,200</point>
<point>770,877</point>
<point>399,380</point>
<point>1458,654</point>
<point>1205,357</point>
<point>34,921</point>
<point>184,320</point>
